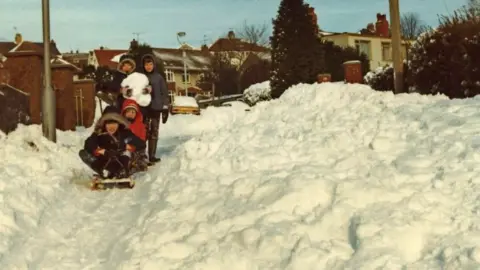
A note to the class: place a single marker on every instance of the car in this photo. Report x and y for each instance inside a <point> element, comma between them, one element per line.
<point>185,105</point>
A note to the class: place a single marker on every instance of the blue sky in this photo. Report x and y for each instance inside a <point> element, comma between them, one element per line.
<point>89,24</point>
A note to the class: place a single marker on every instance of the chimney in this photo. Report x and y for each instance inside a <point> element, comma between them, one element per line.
<point>101,47</point>
<point>204,49</point>
<point>231,34</point>
<point>311,12</point>
<point>133,44</point>
<point>18,38</point>
<point>382,27</point>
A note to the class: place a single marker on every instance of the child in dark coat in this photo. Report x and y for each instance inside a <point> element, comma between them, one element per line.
<point>109,148</point>
<point>125,67</point>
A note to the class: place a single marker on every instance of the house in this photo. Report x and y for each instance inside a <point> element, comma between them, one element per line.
<point>14,107</point>
<point>236,49</point>
<point>197,62</point>
<point>23,69</point>
<point>77,58</point>
<point>374,41</point>
<point>105,57</point>
<point>12,46</point>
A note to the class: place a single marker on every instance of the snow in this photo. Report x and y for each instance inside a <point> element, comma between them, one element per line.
<point>257,92</point>
<point>329,176</point>
<point>185,101</point>
<point>137,82</point>
<point>116,58</point>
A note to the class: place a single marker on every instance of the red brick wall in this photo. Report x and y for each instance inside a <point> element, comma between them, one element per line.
<point>62,82</point>
<point>26,70</point>
<point>87,88</point>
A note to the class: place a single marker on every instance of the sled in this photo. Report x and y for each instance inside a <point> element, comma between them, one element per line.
<point>99,183</point>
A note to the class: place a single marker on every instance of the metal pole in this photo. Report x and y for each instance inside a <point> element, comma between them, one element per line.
<point>185,71</point>
<point>48,100</point>
<point>76,107</point>
<point>81,106</point>
<point>396,46</point>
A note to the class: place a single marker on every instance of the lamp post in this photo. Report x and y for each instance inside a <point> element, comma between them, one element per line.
<point>48,98</point>
<point>396,46</point>
<point>180,35</point>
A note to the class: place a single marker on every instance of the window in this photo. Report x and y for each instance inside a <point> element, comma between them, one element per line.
<point>170,75</point>
<point>386,52</point>
<point>188,78</point>
<point>363,46</point>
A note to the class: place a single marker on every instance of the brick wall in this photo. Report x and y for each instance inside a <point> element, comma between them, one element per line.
<point>62,82</point>
<point>85,110</point>
<point>26,69</point>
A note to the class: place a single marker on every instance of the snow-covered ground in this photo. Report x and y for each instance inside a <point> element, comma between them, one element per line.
<point>329,176</point>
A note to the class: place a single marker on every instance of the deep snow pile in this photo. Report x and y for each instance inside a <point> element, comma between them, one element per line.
<point>329,176</point>
<point>257,92</point>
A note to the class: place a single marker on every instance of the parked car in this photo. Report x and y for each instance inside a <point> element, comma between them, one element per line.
<point>185,105</point>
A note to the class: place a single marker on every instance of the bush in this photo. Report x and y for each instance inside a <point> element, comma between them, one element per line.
<point>335,56</point>
<point>447,60</point>
<point>382,78</point>
<point>257,92</point>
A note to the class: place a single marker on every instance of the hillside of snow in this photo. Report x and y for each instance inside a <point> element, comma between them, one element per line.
<point>329,176</point>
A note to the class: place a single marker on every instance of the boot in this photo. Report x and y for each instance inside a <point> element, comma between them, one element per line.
<point>152,149</point>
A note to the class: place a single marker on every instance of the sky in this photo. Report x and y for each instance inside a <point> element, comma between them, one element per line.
<point>89,24</point>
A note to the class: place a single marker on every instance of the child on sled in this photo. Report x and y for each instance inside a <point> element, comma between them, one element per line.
<point>132,112</point>
<point>109,149</point>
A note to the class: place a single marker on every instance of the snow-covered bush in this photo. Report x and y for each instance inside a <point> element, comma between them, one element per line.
<point>447,60</point>
<point>381,79</point>
<point>257,92</point>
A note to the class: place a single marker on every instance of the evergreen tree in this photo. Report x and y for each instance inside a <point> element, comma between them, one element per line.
<point>297,52</point>
<point>139,50</point>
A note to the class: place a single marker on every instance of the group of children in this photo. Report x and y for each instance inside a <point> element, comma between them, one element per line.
<point>118,145</point>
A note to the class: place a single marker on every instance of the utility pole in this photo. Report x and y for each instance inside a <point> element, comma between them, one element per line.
<point>48,98</point>
<point>396,46</point>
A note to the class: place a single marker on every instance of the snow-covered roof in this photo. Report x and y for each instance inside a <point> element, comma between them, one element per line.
<point>173,59</point>
<point>117,57</point>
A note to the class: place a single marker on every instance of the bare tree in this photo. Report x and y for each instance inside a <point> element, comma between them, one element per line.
<point>411,25</point>
<point>473,5</point>
<point>253,33</point>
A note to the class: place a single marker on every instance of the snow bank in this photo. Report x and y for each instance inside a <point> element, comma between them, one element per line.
<point>184,101</point>
<point>329,176</point>
<point>257,92</point>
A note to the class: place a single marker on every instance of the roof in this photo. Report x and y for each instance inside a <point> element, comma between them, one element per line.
<point>6,47</point>
<point>59,62</point>
<point>235,45</point>
<point>355,35</point>
<point>173,59</point>
<point>105,56</point>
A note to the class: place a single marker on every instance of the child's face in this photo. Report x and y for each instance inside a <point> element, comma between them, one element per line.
<point>148,66</point>
<point>111,127</point>
<point>130,113</point>
<point>127,67</point>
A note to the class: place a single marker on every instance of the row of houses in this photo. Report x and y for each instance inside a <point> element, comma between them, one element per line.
<point>21,69</point>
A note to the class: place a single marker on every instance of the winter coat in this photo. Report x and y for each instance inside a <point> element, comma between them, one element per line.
<point>160,95</point>
<point>101,139</point>
<point>119,76</point>
<point>136,126</point>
